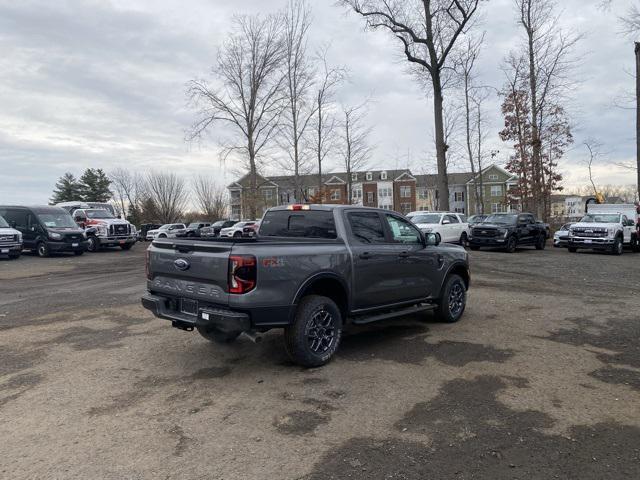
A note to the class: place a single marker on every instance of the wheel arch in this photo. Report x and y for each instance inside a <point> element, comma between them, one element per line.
<point>328,285</point>
<point>458,268</point>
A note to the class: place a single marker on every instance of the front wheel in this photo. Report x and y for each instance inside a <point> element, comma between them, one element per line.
<point>43,250</point>
<point>14,256</point>
<point>453,300</point>
<point>77,253</point>
<point>237,235</point>
<point>541,242</point>
<point>464,240</point>
<point>94,244</point>
<point>314,336</point>
<point>618,247</point>
<point>474,248</point>
<point>126,246</point>
<point>512,243</point>
<point>573,249</point>
<point>635,244</point>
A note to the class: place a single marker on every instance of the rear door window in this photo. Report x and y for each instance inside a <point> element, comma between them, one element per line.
<point>300,224</point>
<point>366,227</point>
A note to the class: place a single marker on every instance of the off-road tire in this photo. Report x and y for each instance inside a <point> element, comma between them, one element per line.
<point>572,249</point>
<point>14,256</point>
<point>94,244</point>
<point>618,247</point>
<point>453,300</point>
<point>635,244</point>
<point>126,246</point>
<point>512,244</point>
<point>77,253</point>
<point>216,336</point>
<point>237,235</point>
<point>541,242</point>
<point>42,250</point>
<point>327,331</point>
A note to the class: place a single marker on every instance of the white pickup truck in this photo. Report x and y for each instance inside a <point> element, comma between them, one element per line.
<point>450,227</point>
<point>607,227</point>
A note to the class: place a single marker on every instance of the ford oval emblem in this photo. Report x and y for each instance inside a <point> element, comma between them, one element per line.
<point>181,264</point>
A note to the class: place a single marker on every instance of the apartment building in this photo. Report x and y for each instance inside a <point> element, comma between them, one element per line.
<point>397,190</point>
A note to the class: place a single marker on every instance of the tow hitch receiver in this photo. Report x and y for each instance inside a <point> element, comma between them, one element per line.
<point>182,326</point>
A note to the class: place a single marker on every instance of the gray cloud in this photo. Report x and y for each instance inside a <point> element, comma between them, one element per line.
<point>101,84</point>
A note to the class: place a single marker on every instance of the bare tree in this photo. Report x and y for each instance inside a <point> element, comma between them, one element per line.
<point>593,147</point>
<point>129,193</point>
<point>251,98</point>
<point>298,88</point>
<point>355,148</point>
<point>167,194</point>
<point>210,198</point>
<point>428,31</point>
<point>547,50</point>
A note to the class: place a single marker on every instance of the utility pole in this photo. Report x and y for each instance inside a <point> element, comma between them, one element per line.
<point>637,50</point>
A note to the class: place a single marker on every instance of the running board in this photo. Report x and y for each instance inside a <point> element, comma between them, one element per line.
<point>363,320</point>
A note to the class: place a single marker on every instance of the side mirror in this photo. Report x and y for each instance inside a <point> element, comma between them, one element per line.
<point>432,239</point>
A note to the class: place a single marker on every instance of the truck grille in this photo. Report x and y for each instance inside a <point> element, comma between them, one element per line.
<point>73,238</point>
<point>485,232</point>
<point>8,238</point>
<point>590,232</point>
<point>118,229</point>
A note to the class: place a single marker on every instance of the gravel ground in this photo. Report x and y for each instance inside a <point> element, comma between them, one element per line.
<point>540,380</point>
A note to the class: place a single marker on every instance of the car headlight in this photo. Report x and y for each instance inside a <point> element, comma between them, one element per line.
<point>84,235</point>
<point>19,237</point>
<point>503,232</point>
<point>55,236</point>
<point>611,231</point>
<point>101,229</point>
<point>133,230</point>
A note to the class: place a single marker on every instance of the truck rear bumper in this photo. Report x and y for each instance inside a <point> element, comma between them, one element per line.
<point>210,318</point>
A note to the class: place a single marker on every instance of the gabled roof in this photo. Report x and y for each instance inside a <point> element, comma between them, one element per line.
<point>335,180</point>
<point>245,182</point>
<point>431,180</point>
<point>511,176</point>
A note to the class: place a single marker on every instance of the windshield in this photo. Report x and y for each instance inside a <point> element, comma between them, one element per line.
<point>3,223</point>
<point>195,225</point>
<point>426,218</point>
<point>57,220</point>
<point>601,218</point>
<point>98,214</point>
<point>502,219</point>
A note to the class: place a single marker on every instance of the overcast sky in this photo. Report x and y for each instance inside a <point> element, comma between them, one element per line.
<point>101,84</point>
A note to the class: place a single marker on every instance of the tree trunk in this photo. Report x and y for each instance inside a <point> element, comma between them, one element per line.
<point>535,131</point>
<point>637,50</point>
<point>319,151</point>
<point>441,147</point>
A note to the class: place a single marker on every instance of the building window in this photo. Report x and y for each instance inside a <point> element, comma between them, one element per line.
<point>498,208</point>
<point>284,198</point>
<point>268,194</point>
<point>311,192</point>
<point>235,196</point>
<point>422,193</point>
<point>370,197</point>
<point>405,191</point>
<point>236,211</point>
<point>356,193</point>
<point>369,176</point>
<point>383,175</point>
<point>493,177</point>
<point>386,207</point>
<point>385,192</point>
<point>496,190</point>
<point>335,194</point>
<point>354,177</point>
<point>459,210</point>
<point>458,197</point>
<point>405,207</point>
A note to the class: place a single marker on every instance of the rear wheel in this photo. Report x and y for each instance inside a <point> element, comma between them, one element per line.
<point>43,250</point>
<point>237,235</point>
<point>453,300</point>
<point>617,248</point>
<point>512,243</point>
<point>314,336</point>
<point>541,242</point>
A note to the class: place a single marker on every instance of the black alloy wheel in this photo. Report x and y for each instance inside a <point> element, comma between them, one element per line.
<point>42,249</point>
<point>512,244</point>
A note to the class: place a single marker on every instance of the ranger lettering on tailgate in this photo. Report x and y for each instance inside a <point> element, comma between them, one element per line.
<point>180,286</point>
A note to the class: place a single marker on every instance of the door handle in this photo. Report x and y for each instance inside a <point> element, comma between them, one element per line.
<point>366,255</point>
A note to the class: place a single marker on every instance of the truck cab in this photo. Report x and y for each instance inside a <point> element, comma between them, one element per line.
<point>606,227</point>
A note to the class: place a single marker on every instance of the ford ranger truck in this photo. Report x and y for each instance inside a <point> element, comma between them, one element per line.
<point>311,270</point>
<point>606,227</point>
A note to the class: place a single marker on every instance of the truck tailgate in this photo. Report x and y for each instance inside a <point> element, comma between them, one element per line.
<point>190,269</point>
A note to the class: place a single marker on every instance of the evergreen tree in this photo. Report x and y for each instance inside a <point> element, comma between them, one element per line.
<point>67,189</point>
<point>94,186</point>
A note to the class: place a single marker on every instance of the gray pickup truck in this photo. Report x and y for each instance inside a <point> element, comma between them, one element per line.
<point>311,270</point>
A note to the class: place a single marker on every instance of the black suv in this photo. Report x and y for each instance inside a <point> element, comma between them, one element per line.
<point>193,229</point>
<point>508,231</point>
<point>214,229</point>
<point>46,229</point>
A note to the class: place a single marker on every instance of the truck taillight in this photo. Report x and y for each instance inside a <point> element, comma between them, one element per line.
<point>146,264</point>
<point>242,273</point>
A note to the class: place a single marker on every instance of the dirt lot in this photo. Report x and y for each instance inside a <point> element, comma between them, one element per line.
<point>541,379</point>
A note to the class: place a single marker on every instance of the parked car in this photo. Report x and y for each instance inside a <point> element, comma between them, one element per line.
<point>606,227</point>
<point>235,230</point>
<point>10,240</point>
<point>105,230</point>
<point>251,230</point>
<point>193,229</point>
<point>46,229</point>
<point>473,219</point>
<point>214,229</point>
<point>144,228</point>
<point>508,231</point>
<point>311,270</point>
<point>169,230</point>
<point>561,236</point>
<point>451,227</point>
